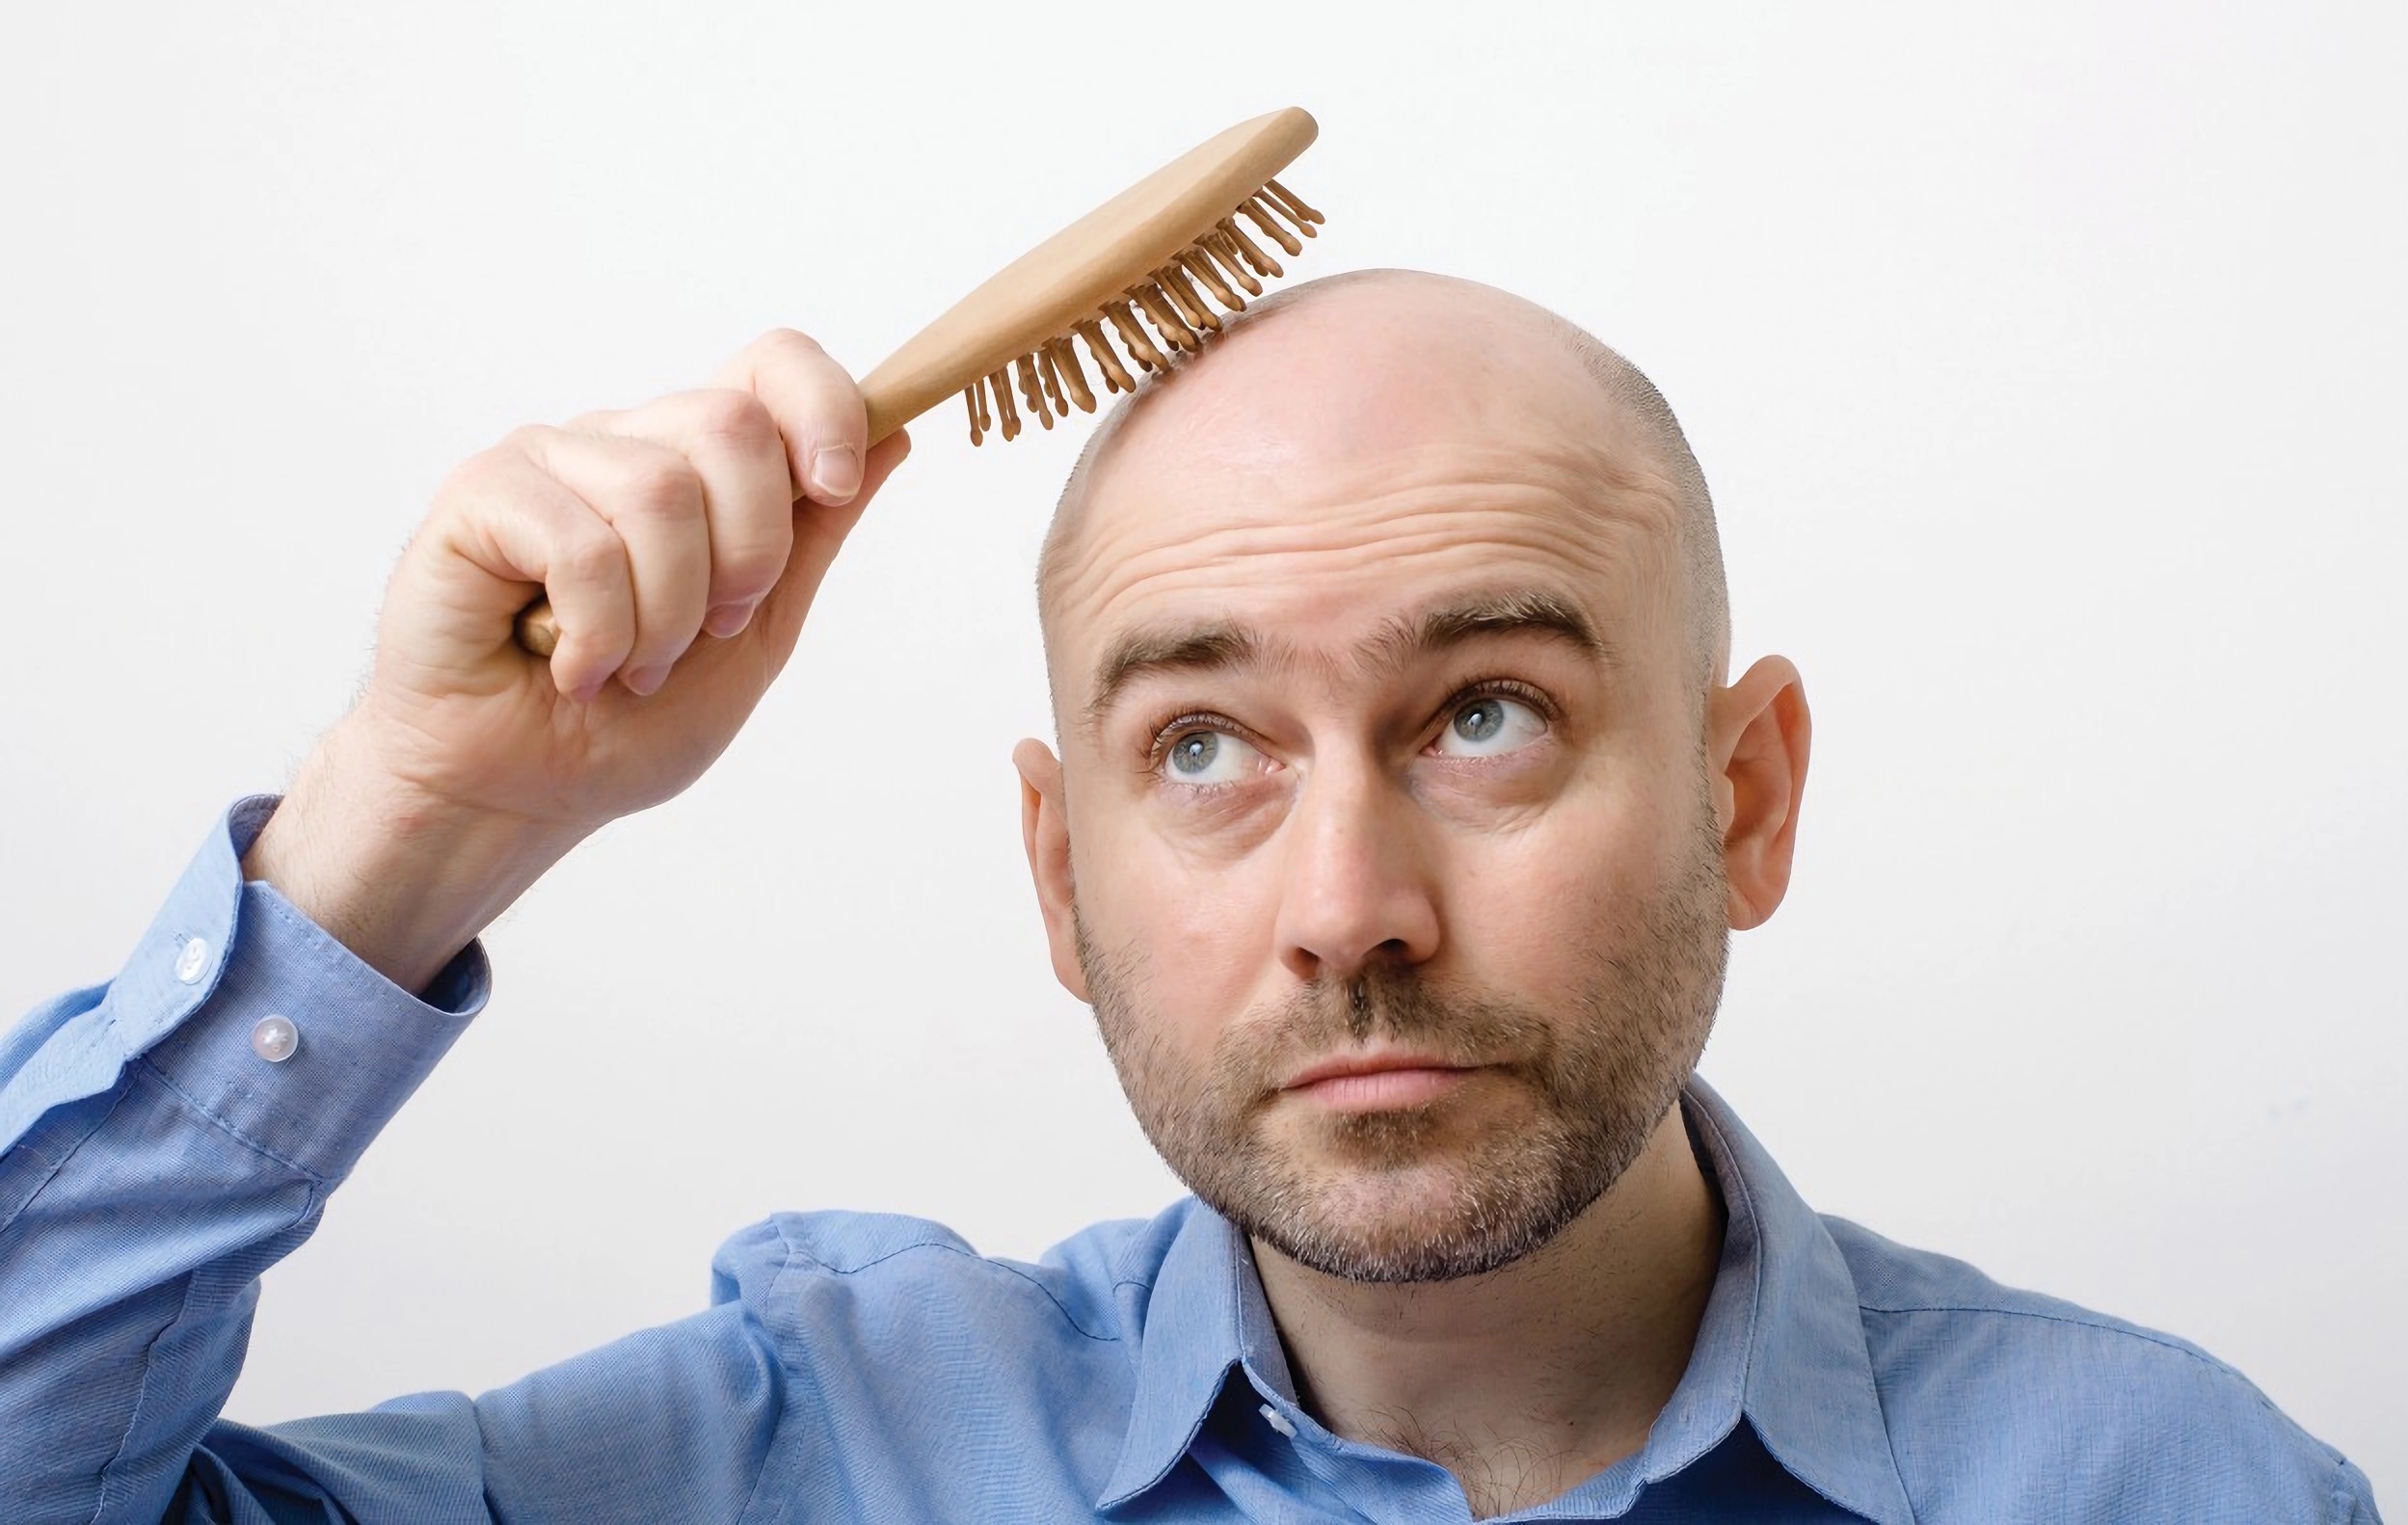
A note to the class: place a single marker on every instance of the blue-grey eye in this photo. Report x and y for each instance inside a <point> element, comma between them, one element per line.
<point>1491,725</point>
<point>1209,756</point>
<point>1193,753</point>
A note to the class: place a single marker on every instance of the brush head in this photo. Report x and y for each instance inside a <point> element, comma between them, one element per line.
<point>1146,252</point>
<point>1158,255</point>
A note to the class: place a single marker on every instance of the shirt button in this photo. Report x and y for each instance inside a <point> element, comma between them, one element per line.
<point>1278,1421</point>
<point>275,1039</point>
<point>192,959</point>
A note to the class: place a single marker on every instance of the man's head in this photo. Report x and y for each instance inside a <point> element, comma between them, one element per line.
<point>1387,644</point>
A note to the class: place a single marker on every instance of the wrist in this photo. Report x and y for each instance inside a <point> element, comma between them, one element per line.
<point>404,879</point>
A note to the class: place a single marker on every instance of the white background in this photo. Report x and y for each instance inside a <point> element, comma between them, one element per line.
<point>2046,362</point>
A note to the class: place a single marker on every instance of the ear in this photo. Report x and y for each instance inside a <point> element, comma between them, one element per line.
<point>1757,736</point>
<point>1045,832</point>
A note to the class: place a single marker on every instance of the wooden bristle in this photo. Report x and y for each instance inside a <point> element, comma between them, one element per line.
<point>1174,285</point>
<point>1226,263</point>
<point>1000,387</point>
<point>1225,250</point>
<point>1248,249</point>
<point>1063,361</point>
<point>1165,317</point>
<point>1294,205</point>
<point>1133,334</point>
<point>1259,212</point>
<point>1052,379</point>
<point>1107,360</point>
<point>1200,266</point>
<point>1031,393</point>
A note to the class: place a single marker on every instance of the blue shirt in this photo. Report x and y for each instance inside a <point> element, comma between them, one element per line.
<point>159,1148</point>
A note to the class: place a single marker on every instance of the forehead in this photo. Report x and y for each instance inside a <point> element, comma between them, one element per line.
<point>1325,498</point>
<point>1337,545</point>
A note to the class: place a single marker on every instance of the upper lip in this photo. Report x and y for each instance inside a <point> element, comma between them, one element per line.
<point>1367,1063</point>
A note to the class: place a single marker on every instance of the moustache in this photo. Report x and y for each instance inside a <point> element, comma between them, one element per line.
<point>1388,1002</point>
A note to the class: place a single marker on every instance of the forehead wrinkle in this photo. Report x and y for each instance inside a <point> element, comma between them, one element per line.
<point>1578,479</point>
<point>1602,518</point>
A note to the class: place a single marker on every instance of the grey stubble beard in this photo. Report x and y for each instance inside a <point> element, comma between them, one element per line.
<point>1356,1202</point>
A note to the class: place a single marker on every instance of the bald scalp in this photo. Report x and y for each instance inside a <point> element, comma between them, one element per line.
<point>1631,398</point>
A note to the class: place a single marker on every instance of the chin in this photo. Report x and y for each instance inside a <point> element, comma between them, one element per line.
<point>1399,1250</point>
<point>1424,1220</point>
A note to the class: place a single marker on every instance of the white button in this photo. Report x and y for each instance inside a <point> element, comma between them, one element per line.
<point>1278,1422</point>
<point>192,960</point>
<point>275,1039</point>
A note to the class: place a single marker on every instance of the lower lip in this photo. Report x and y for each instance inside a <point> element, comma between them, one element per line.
<point>1382,1091</point>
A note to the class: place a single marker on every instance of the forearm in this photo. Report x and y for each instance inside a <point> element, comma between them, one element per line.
<point>402,881</point>
<point>153,1163</point>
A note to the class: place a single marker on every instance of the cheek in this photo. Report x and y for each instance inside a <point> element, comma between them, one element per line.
<point>1546,899</point>
<point>1200,928</point>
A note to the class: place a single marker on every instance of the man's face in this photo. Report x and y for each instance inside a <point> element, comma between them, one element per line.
<point>1398,887</point>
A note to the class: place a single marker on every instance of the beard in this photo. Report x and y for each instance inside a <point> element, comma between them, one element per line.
<point>1560,1105</point>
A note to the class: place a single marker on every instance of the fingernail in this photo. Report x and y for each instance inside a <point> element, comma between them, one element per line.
<point>645,679</point>
<point>836,472</point>
<point>729,618</point>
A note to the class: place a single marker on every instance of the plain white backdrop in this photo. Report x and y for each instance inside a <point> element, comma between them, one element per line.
<point>2046,362</point>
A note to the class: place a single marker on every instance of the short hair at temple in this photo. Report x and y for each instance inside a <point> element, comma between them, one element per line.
<point>1706,597</point>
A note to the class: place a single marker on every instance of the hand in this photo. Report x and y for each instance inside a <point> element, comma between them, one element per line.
<point>680,544</point>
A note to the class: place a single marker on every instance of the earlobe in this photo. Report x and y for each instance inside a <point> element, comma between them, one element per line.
<point>1759,737</point>
<point>1045,834</point>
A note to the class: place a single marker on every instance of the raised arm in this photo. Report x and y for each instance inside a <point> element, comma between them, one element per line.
<point>166,1137</point>
<point>680,544</point>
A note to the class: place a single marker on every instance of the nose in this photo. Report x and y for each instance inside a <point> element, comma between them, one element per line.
<point>1359,887</point>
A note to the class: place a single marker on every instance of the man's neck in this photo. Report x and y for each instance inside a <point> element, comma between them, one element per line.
<point>1525,1381</point>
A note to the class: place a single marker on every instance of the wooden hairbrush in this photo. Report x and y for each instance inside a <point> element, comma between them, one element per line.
<point>1156,250</point>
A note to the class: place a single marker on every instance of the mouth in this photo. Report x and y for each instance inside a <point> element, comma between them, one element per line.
<point>1363,1083</point>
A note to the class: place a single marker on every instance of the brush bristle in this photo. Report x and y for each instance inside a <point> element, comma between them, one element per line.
<point>1224,266</point>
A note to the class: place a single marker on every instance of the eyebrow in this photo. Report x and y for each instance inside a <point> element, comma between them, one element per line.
<point>1515,611</point>
<point>1225,646</point>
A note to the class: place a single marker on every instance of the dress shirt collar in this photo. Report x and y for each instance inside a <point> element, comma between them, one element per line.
<point>1782,1345</point>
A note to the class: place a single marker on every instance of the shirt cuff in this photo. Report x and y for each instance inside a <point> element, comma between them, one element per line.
<point>270,1027</point>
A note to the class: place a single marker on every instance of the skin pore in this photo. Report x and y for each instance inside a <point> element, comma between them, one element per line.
<point>1402,814</point>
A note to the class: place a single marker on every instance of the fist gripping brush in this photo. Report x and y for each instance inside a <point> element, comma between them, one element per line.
<point>1152,252</point>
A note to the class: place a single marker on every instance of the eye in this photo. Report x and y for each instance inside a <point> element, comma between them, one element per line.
<point>1490,725</point>
<point>1209,756</point>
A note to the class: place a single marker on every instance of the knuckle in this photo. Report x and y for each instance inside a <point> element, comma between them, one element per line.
<point>483,475</point>
<point>733,420</point>
<point>589,555</point>
<point>527,440</point>
<point>660,486</point>
<point>466,479</point>
<point>788,341</point>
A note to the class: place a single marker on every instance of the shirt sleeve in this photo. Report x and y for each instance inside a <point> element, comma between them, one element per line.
<point>164,1139</point>
<point>2353,1498</point>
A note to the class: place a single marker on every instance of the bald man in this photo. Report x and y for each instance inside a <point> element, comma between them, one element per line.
<point>1403,803</point>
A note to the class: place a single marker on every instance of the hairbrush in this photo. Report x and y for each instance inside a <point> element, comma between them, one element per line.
<point>1159,256</point>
